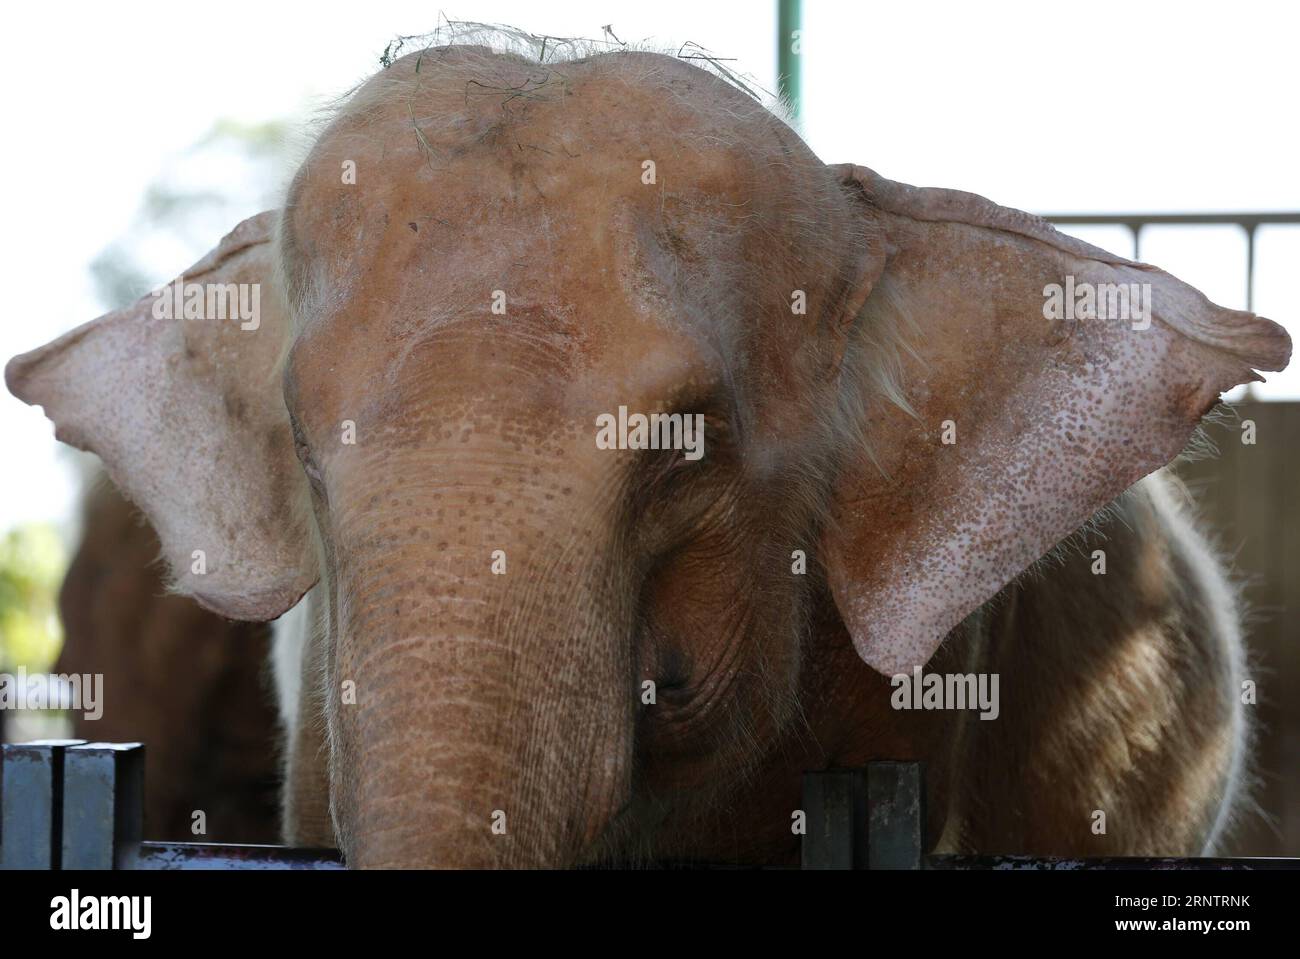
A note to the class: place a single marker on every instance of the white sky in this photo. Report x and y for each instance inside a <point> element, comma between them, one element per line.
<point>1103,107</point>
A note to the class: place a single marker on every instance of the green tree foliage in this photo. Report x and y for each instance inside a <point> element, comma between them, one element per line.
<point>32,561</point>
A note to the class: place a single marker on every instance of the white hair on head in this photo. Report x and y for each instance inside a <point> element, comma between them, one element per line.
<point>544,49</point>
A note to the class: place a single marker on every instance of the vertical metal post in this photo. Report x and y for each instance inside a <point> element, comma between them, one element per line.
<point>1136,230</point>
<point>835,810</point>
<point>1250,266</point>
<point>31,804</point>
<point>103,804</point>
<point>789,75</point>
<point>895,815</point>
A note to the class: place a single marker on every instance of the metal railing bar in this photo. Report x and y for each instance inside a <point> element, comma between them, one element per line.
<point>1134,222</point>
<point>1172,219</point>
<point>194,855</point>
<point>953,862</point>
<point>872,818</point>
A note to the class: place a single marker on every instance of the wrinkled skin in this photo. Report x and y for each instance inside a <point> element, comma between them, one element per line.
<point>522,692</point>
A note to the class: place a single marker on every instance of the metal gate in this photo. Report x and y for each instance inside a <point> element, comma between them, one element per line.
<point>68,804</point>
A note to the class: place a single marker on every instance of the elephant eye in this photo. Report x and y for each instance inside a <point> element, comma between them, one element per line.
<point>303,452</point>
<point>711,443</point>
<point>308,465</point>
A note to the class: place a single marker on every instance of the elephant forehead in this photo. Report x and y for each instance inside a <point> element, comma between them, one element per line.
<point>577,356</point>
<point>475,143</point>
<point>613,223</point>
<point>450,103</point>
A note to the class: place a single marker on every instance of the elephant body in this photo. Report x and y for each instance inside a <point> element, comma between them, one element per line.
<point>524,645</point>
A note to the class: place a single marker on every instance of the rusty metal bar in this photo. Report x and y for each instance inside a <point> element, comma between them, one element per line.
<point>1032,863</point>
<point>194,855</point>
<point>895,815</point>
<point>835,811</point>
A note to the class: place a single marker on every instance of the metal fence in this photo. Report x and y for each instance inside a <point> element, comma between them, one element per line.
<point>67,804</point>
<point>1136,222</point>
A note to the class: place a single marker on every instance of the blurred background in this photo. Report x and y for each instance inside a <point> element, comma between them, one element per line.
<point>138,134</point>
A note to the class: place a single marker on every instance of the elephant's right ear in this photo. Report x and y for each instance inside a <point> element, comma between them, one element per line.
<point>1044,377</point>
<point>188,416</point>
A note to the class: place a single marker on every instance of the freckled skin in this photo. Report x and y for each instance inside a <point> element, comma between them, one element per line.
<point>484,179</point>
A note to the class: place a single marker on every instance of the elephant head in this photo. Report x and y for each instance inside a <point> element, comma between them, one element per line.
<point>537,644</point>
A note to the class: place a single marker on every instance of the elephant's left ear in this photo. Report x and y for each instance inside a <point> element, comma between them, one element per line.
<point>180,396</point>
<point>1046,377</point>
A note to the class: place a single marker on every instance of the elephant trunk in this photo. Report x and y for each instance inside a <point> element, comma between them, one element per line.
<point>485,650</point>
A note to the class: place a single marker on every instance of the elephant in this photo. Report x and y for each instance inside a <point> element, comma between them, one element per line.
<point>514,645</point>
<point>189,684</point>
